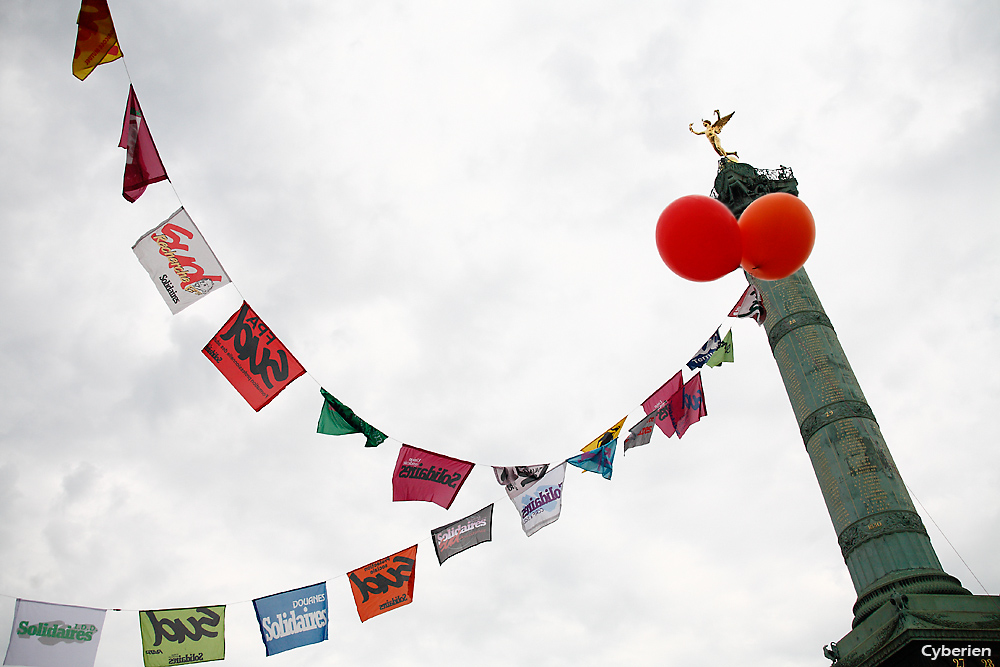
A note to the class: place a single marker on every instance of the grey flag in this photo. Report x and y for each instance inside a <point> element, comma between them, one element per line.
<point>463,534</point>
<point>640,433</point>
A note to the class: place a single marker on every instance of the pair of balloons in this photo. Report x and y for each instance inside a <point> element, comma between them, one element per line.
<point>700,239</point>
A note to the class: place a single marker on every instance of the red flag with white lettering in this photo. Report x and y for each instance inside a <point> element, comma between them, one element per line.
<point>252,358</point>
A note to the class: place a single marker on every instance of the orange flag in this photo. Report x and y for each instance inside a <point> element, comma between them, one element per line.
<point>385,584</point>
<point>96,41</point>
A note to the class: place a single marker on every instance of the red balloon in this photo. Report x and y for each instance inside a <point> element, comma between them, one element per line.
<point>698,238</point>
<point>778,234</point>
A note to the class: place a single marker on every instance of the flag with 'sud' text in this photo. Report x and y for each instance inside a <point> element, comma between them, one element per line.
<point>252,358</point>
<point>385,584</point>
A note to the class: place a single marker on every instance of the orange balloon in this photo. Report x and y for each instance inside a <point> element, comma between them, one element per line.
<point>778,233</point>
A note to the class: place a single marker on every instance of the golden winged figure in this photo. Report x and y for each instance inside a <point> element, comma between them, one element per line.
<point>712,131</point>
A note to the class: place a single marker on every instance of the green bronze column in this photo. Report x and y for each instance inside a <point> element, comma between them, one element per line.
<point>883,541</point>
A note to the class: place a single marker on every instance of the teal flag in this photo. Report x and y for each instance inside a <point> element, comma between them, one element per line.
<point>338,419</point>
<point>725,351</point>
<point>597,460</point>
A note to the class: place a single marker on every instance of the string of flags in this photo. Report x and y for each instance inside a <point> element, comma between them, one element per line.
<point>184,269</point>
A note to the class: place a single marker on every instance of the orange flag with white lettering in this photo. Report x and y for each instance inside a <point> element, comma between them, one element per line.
<point>385,584</point>
<point>96,41</point>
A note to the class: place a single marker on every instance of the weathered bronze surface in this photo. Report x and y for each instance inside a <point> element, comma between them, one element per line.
<point>882,539</point>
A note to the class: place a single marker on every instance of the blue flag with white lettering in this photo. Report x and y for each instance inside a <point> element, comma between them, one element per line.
<point>292,619</point>
<point>706,351</point>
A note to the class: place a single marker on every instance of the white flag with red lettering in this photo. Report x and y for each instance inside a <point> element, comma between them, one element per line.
<point>179,261</point>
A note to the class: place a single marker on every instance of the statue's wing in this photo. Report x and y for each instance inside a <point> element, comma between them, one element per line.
<point>719,124</point>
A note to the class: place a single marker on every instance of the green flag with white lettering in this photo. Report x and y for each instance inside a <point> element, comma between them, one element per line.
<point>338,419</point>
<point>725,351</point>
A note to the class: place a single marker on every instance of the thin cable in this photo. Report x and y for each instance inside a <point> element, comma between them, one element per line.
<point>946,538</point>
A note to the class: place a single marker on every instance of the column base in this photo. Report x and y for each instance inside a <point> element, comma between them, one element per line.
<point>931,582</point>
<point>924,630</point>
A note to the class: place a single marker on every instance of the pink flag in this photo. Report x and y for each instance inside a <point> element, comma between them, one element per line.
<point>659,403</point>
<point>423,475</point>
<point>690,407</point>
<point>142,162</point>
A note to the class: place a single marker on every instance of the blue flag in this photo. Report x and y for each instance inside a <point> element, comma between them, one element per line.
<point>597,460</point>
<point>706,351</point>
<point>292,619</point>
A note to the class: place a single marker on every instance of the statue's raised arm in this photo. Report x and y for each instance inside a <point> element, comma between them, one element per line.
<point>712,130</point>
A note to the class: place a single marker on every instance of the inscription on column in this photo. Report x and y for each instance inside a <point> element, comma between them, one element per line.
<point>792,384</point>
<point>791,299</point>
<point>830,389</point>
<point>828,484</point>
<point>861,467</point>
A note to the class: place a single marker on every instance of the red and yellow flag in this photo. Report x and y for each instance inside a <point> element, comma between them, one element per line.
<point>96,41</point>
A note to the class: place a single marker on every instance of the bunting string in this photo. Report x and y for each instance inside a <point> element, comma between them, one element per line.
<point>185,269</point>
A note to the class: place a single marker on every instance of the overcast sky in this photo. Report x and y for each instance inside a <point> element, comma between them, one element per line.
<point>446,211</point>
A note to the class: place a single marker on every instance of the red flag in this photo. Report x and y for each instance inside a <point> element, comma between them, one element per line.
<point>689,405</point>
<point>423,475</point>
<point>142,162</point>
<point>252,358</point>
<point>659,403</point>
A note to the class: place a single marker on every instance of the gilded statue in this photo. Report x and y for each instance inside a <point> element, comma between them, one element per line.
<point>712,131</point>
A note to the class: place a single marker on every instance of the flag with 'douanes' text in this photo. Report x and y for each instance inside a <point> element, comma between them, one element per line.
<point>292,619</point>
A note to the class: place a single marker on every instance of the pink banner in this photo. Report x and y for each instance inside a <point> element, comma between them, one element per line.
<point>692,405</point>
<point>659,403</point>
<point>423,475</point>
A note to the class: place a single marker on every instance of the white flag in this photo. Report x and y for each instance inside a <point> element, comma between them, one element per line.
<point>641,433</point>
<point>750,305</point>
<point>516,479</point>
<point>179,261</point>
<point>54,635</point>
<point>541,502</point>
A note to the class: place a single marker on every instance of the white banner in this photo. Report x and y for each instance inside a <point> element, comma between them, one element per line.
<point>179,261</point>
<point>517,479</point>
<point>540,503</point>
<point>54,635</point>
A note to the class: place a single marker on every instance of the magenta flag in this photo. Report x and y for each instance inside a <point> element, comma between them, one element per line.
<point>423,475</point>
<point>659,403</point>
<point>142,161</point>
<point>690,407</point>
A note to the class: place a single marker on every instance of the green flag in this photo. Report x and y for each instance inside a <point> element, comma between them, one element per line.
<point>725,351</point>
<point>164,633</point>
<point>338,419</point>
